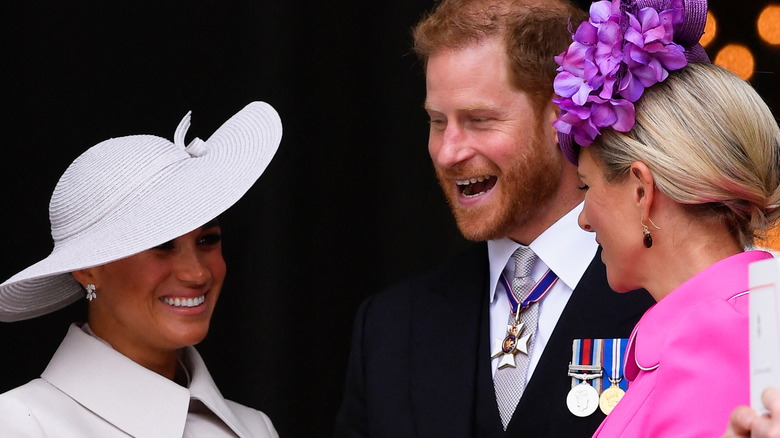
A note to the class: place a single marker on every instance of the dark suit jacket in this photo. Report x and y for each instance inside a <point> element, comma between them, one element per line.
<point>420,360</point>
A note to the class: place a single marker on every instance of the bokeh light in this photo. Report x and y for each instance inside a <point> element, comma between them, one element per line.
<point>737,59</point>
<point>710,30</point>
<point>771,240</point>
<point>768,24</point>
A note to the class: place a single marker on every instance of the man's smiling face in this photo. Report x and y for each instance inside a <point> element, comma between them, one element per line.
<point>491,158</point>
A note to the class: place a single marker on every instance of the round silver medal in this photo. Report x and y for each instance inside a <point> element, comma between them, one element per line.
<point>583,400</point>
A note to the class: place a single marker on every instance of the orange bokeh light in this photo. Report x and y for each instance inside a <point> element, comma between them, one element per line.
<point>768,24</point>
<point>772,240</point>
<point>737,59</point>
<point>710,30</point>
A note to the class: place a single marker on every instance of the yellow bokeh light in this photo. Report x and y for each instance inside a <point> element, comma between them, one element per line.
<point>768,24</point>
<point>737,59</point>
<point>710,30</point>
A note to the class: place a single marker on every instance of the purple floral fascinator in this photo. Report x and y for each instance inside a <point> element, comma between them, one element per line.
<point>623,48</point>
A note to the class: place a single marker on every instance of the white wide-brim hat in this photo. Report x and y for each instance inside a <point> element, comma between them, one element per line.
<point>128,194</point>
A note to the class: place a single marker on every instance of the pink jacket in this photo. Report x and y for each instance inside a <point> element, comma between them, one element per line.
<point>688,358</point>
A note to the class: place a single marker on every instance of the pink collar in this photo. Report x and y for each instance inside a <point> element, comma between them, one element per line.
<point>722,280</point>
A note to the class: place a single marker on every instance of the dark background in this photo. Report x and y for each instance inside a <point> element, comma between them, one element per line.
<point>349,205</point>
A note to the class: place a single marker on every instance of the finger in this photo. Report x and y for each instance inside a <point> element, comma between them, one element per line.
<point>771,399</point>
<point>740,422</point>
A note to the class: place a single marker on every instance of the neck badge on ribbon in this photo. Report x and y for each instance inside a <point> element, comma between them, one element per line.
<point>515,340</point>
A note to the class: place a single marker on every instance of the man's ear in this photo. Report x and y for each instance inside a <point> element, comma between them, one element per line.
<point>643,186</point>
<point>549,114</point>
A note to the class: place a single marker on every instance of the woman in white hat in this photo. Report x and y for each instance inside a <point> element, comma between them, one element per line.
<point>135,233</point>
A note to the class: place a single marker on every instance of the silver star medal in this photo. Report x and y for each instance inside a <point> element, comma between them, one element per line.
<point>511,344</point>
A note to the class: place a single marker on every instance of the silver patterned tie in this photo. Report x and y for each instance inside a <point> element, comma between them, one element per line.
<point>509,382</point>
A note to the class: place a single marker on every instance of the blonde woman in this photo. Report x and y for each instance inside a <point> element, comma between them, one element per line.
<point>680,162</point>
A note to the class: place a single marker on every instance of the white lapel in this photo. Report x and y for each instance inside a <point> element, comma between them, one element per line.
<point>203,388</point>
<point>136,400</point>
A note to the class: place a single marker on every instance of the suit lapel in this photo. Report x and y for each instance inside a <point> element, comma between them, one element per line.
<point>446,341</point>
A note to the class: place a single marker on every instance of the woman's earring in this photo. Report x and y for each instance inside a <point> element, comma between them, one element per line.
<point>91,295</point>
<point>648,239</point>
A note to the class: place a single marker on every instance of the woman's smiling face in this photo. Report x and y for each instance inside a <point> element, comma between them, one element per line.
<point>161,299</point>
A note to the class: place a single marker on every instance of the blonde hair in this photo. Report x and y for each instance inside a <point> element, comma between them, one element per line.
<point>711,144</point>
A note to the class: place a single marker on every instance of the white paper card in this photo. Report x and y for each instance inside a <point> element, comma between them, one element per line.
<point>764,328</point>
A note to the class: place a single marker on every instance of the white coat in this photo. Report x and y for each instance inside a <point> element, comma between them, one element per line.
<point>90,390</point>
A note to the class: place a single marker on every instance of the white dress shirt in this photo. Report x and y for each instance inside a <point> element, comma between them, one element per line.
<point>564,248</point>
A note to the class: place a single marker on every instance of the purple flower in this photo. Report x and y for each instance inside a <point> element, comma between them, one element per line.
<point>613,58</point>
<point>617,113</point>
<point>646,28</point>
<point>650,51</point>
<point>609,50</point>
<point>586,34</point>
<point>576,121</point>
<point>603,11</point>
<point>578,75</point>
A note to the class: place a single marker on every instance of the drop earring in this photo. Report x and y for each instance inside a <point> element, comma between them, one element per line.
<point>91,295</point>
<point>648,239</point>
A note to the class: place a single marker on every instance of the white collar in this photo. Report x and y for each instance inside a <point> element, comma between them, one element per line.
<point>203,388</point>
<point>136,400</point>
<point>564,248</point>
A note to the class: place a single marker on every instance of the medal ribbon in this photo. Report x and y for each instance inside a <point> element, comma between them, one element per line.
<point>537,293</point>
<point>587,352</point>
<point>614,357</point>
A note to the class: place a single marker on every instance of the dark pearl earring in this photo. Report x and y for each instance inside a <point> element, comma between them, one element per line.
<point>648,239</point>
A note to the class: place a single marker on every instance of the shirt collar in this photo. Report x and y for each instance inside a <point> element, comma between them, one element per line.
<point>563,247</point>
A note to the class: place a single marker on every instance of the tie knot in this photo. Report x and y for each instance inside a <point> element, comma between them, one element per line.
<point>524,260</point>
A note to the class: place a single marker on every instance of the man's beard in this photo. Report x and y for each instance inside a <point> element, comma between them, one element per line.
<point>523,190</point>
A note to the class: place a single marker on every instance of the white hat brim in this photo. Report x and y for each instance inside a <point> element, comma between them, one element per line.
<point>183,194</point>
